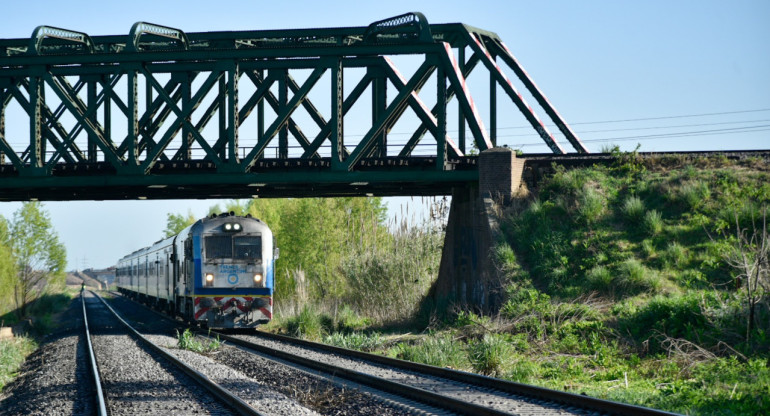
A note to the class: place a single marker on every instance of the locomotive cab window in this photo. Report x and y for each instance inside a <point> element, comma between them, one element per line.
<point>219,246</point>
<point>239,247</point>
<point>247,247</point>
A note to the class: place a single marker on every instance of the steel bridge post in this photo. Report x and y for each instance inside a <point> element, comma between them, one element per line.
<point>460,115</point>
<point>232,113</point>
<point>379,102</point>
<point>283,99</point>
<point>493,107</point>
<point>36,151</point>
<point>185,84</point>
<point>337,119</point>
<point>133,119</point>
<point>92,104</point>
<point>3,143</point>
<point>441,107</point>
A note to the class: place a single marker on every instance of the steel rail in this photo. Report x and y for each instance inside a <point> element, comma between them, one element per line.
<point>509,387</point>
<point>101,404</point>
<point>220,392</point>
<point>413,393</point>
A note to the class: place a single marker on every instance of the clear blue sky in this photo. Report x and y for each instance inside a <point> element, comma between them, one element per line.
<point>696,72</point>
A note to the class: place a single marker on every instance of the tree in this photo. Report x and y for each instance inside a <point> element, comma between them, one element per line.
<point>178,222</point>
<point>40,257</point>
<point>7,268</point>
<point>751,258</point>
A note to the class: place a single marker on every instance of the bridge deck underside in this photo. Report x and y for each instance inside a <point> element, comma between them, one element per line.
<point>284,178</point>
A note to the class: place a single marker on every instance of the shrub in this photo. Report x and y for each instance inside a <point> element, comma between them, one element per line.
<point>599,278</point>
<point>355,341</point>
<point>488,354</point>
<point>693,194</point>
<point>438,351</point>
<point>653,222</point>
<point>12,354</point>
<point>675,255</point>
<point>591,205</point>
<point>187,341</point>
<point>307,324</point>
<point>349,321</point>
<point>633,277</point>
<point>676,316</point>
<point>633,208</point>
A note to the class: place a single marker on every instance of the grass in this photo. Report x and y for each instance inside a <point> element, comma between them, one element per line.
<point>616,287</point>
<point>187,341</point>
<point>13,351</point>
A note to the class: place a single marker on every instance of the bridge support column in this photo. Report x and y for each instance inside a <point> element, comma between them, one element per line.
<point>467,276</point>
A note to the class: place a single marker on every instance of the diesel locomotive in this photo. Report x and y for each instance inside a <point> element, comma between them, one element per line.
<point>217,272</point>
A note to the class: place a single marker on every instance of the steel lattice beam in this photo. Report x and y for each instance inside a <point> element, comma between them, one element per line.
<point>147,110</point>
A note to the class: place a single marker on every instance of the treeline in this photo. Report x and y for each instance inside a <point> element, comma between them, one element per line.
<point>343,251</point>
<point>32,259</point>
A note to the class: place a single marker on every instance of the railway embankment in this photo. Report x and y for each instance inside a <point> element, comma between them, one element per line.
<point>620,280</point>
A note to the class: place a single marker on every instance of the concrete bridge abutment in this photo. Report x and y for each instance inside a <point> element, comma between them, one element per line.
<point>468,278</point>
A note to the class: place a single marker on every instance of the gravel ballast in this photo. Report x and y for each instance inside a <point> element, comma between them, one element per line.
<point>54,380</point>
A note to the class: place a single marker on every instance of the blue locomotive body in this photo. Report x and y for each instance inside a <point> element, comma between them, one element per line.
<point>217,272</point>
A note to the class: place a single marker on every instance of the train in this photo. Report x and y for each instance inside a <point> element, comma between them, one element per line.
<point>217,272</point>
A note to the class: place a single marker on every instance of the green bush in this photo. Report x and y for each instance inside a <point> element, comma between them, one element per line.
<point>675,255</point>
<point>652,222</point>
<point>693,194</point>
<point>307,324</point>
<point>633,277</point>
<point>599,278</point>
<point>488,354</point>
<point>591,205</point>
<point>187,341</point>
<point>13,351</point>
<point>676,316</point>
<point>355,341</point>
<point>633,208</point>
<point>349,321</point>
<point>440,351</point>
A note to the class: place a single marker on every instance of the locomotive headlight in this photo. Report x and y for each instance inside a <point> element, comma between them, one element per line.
<point>236,227</point>
<point>209,279</point>
<point>258,278</point>
<point>228,227</point>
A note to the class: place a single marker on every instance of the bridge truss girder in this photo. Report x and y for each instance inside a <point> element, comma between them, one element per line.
<point>91,127</point>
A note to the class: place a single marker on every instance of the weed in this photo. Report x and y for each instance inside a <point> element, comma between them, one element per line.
<point>675,255</point>
<point>13,351</point>
<point>307,324</point>
<point>599,278</point>
<point>633,277</point>
<point>652,222</point>
<point>355,341</point>
<point>488,354</point>
<point>591,205</point>
<point>440,351</point>
<point>188,341</point>
<point>633,208</point>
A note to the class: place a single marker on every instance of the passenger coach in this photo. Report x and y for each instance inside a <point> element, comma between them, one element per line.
<point>217,272</point>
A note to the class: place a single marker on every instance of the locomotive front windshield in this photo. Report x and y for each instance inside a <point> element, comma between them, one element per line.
<point>233,247</point>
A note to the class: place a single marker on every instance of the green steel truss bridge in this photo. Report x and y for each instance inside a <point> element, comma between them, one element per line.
<point>159,113</point>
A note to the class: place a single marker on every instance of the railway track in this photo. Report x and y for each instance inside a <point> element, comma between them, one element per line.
<point>443,390</point>
<point>173,385</point>
<point>456,391</point>
<point>101,407</point>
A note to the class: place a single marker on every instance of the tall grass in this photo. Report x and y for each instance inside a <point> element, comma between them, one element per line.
<point>13,351</point>
<point>387,281</point>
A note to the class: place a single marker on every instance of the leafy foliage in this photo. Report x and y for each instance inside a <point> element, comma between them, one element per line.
<point>40,258</point>
<point>178,222</point>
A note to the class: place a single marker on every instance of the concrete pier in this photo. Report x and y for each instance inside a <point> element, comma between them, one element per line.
<point>468,278</point>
